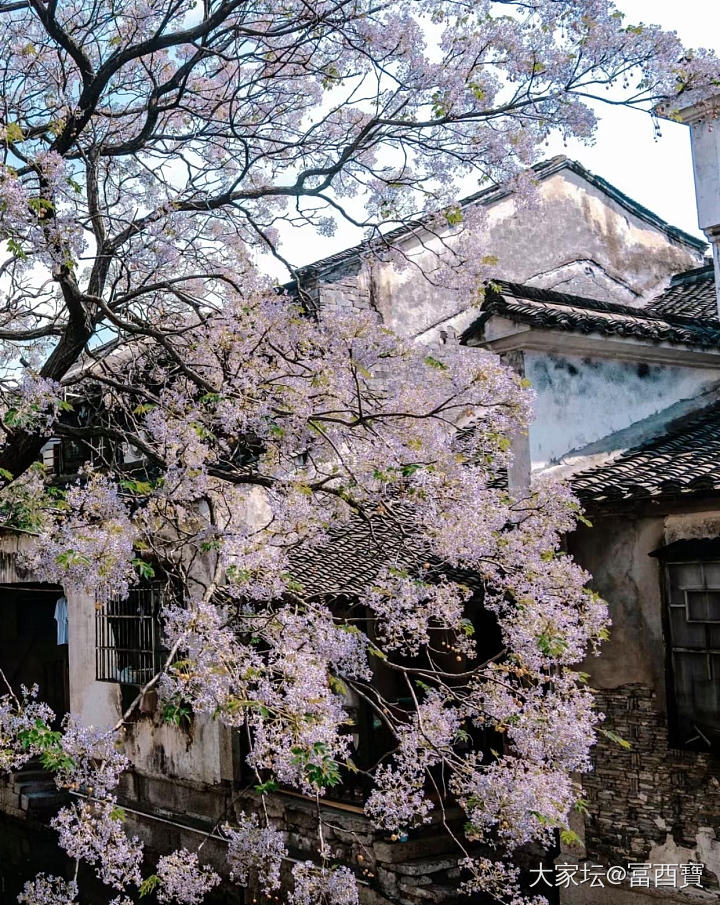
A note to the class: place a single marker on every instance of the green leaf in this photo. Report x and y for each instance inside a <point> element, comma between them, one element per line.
<point>149,884</point>
<point>178,712</point>
<point>72,558</point>
<point>467,627</point>
<point>264,787</point>
<point>618,739</point>
<point>139,487</point>
<point>581,806</point>
<point>16,249</point>
<point>337,685</point>
<point>41,206</point>
<point>13,132</point>
<point>454,215</point>
<point>144,569</point>
<point>570,837</point>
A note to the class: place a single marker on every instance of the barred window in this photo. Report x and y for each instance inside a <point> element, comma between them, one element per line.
<point>693,605</point>
<point>128,648</point>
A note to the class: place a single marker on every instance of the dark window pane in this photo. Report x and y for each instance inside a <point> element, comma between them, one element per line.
<point>703,606</point>
<point>694,623</point>
<point>684,633</point>
<point>127,647</point>
<point>685,575</point>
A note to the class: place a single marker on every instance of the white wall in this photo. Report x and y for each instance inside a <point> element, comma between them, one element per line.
<point>581,399</point>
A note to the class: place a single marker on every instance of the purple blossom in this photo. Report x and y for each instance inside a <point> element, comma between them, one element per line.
<point>255,851</point>
<point>183,879</point>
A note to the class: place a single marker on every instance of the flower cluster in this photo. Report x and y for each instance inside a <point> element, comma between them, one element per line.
<point>18,717</point>
<point>255,851</point>
<point>314,885</point>
<point>90,546</point>
<point>93,832</point>
<point>92,760</point>
<point>183,879</point>
<point>48,890</point>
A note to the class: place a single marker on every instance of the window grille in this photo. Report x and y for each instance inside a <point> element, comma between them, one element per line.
<point>128,647</point>
<point>693,598</point>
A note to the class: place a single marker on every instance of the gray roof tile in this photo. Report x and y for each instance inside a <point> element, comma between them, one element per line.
<point>690,294</point>
<point>685,460</point>
<point>355,554</point>
<point>551,310</point>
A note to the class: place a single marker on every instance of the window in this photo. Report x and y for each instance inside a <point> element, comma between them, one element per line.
<point>693,619</point>
<point>128,647</point>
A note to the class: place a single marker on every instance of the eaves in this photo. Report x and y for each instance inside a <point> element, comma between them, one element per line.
<point>598,345</point>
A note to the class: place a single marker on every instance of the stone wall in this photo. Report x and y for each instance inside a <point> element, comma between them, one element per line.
<point>420,871</point>
<point>652,802</point>
<point>172,813</point>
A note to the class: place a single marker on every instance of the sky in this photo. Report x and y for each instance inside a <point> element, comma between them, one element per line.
<point>655,172</point>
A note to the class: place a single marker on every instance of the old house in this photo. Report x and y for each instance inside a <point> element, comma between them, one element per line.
<point>635,427</point>
<point>624,355</point>
<point>627,383</point>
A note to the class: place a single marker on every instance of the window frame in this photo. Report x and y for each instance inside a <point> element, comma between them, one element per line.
<point>686,553</point>
<point>110,626</point>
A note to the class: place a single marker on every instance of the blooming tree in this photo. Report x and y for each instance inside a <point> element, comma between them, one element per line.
<point>151,150</point>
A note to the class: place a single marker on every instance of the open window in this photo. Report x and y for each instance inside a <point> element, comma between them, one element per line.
<point>692,597</point>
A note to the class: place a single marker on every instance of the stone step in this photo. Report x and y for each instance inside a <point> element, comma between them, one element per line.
<point>35,785</point>
<point>42,801</point>
<point>22,777</point>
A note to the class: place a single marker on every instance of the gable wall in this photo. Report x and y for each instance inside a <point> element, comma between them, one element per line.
<point>576,239</point>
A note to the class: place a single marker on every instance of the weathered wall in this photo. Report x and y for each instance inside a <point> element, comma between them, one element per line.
<point>581,399</point>
<point>577,240</point>
<point>154,747</point>
<point>652,796</point>
<point>652,802</point>
<point>615,552</point>
<point>94,703</point>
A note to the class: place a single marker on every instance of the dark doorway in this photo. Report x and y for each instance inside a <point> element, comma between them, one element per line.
<point>29,649</point>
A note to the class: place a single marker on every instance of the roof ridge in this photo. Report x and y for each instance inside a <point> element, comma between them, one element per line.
<point>539,294</point>
<point>552,310</point>
<point>496,191</point>
<point>690,276</point>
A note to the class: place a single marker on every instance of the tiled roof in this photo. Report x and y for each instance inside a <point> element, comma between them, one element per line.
<point>551,310</point>
<point>354,556</point>
<point>690,294</point>
<point>683,461</point>
<point>356,553</point>
<point>491,193</point>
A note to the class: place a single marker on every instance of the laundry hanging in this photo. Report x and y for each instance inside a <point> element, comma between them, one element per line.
<point>61,617</point>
